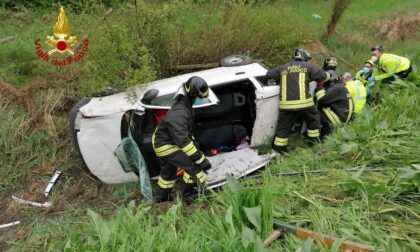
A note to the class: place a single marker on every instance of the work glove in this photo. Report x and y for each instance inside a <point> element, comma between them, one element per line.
<point>371,79</point>
<point>205,165</point>
<point>368,91</point>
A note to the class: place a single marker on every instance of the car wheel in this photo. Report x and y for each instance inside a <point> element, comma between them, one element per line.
<point>235,60</point>
<point>72,120</point>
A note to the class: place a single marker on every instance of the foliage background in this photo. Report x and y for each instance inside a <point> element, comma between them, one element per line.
<point>139,41</point>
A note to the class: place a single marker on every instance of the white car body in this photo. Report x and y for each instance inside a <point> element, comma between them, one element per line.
<point>98,124</point>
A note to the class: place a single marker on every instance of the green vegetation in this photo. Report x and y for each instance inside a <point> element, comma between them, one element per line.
<point>136,43</point>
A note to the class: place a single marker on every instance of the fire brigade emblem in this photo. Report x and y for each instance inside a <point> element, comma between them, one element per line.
<point>61,40</point>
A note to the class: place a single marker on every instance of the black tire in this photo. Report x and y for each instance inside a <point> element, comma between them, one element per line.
<point>235,60</point>
<point>72,120</point>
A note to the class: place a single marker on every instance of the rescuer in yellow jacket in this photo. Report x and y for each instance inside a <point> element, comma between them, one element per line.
<point>389,65</point>
<point>356,90</point>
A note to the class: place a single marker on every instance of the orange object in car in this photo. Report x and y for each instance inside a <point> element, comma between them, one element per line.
<point>179,172</point>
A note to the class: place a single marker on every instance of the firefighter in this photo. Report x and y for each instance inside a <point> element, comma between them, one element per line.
<point>390,65</point>
<point>330,63</point>
<point>334,104</point>
<point>295,98</point>
<point>356,90</point>
<point>174,144</point>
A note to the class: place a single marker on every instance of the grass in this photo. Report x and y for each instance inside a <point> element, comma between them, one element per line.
<point>380,209</point>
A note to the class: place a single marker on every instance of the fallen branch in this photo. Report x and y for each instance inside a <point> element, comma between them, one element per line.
<point>319,238</point>
<point>323,172</point>
<point>7,39</point>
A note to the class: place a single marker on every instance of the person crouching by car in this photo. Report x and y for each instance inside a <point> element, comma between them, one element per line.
<point>335,104</point>
<point>174,144</point>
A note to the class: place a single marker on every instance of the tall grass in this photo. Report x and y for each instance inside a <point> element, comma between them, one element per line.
<point>378,209</point>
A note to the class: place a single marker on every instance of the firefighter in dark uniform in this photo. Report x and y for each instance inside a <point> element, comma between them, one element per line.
<point>174,144</point>
<point>335,104</point>
<point>295,98</point>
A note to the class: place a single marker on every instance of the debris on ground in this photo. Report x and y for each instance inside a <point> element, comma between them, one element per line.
<point>326,240</point>
<point>32,203</point>
<point>400,28</point>
<point>51,183</point>
<point>9,224</point>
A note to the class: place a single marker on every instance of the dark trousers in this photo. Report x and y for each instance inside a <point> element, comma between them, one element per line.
<point>287,119</point>
<point>166,182</point>
<point>402,75</point>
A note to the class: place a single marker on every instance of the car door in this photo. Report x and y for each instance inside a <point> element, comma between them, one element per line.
<point>267,101</point>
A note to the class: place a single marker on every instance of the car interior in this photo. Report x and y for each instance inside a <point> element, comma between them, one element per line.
<point>219,127</point>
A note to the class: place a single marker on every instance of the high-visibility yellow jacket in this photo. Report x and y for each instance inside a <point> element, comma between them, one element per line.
<point>357,92</point>
<point>389,64</point>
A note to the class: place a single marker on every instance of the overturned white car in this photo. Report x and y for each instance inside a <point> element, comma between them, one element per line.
<point>240,97</point>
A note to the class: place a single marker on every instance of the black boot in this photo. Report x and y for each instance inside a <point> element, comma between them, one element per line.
<point>312,141</point>
<point>163,195</point>
<point>280,149</point>
<point>189,193</point>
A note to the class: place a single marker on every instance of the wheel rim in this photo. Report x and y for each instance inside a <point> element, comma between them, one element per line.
<point>234,60</point>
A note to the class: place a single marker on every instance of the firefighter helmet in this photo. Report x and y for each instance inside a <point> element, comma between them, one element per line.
<point>301,54</point>
<point>333,75</point>
<point>330,63</point>
<point>196,87</point>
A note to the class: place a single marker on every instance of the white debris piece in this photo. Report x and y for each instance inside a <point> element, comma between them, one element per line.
<point>10,224</point>
<point>32,203</point>
<point>316,16</point>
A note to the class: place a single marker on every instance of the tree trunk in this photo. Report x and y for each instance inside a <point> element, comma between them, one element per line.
<point>339,7</point>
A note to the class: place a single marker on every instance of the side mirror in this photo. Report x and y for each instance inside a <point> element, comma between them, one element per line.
<point>149,96</point>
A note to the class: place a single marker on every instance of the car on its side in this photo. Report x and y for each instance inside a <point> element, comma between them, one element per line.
<point>240,99</point>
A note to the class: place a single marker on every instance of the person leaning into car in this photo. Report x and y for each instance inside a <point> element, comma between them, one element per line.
<point>173,143</point>
<point>295,98</point>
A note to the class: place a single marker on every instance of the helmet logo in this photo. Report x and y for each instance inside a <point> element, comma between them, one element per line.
<point>187,88</point>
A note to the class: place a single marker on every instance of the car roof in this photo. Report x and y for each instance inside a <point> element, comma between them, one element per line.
<point>213,77</point>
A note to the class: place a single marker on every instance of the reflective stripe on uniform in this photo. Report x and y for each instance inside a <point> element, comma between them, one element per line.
<point>320,94</point>
<point>327,78</point>
<point>358,97</point>
<point>334,119</point>
<point>165,183</point>
<point>201,177</point>
<point>189,149</point>
<point>163,150</point>
<point>187,178</point>
<point>302,89</point>
<point>313,133</point>
<point>351,105</point>
<point>199,161</point>
<point>284,87</point>
<point>281,141</point>
<point>296,104</point>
